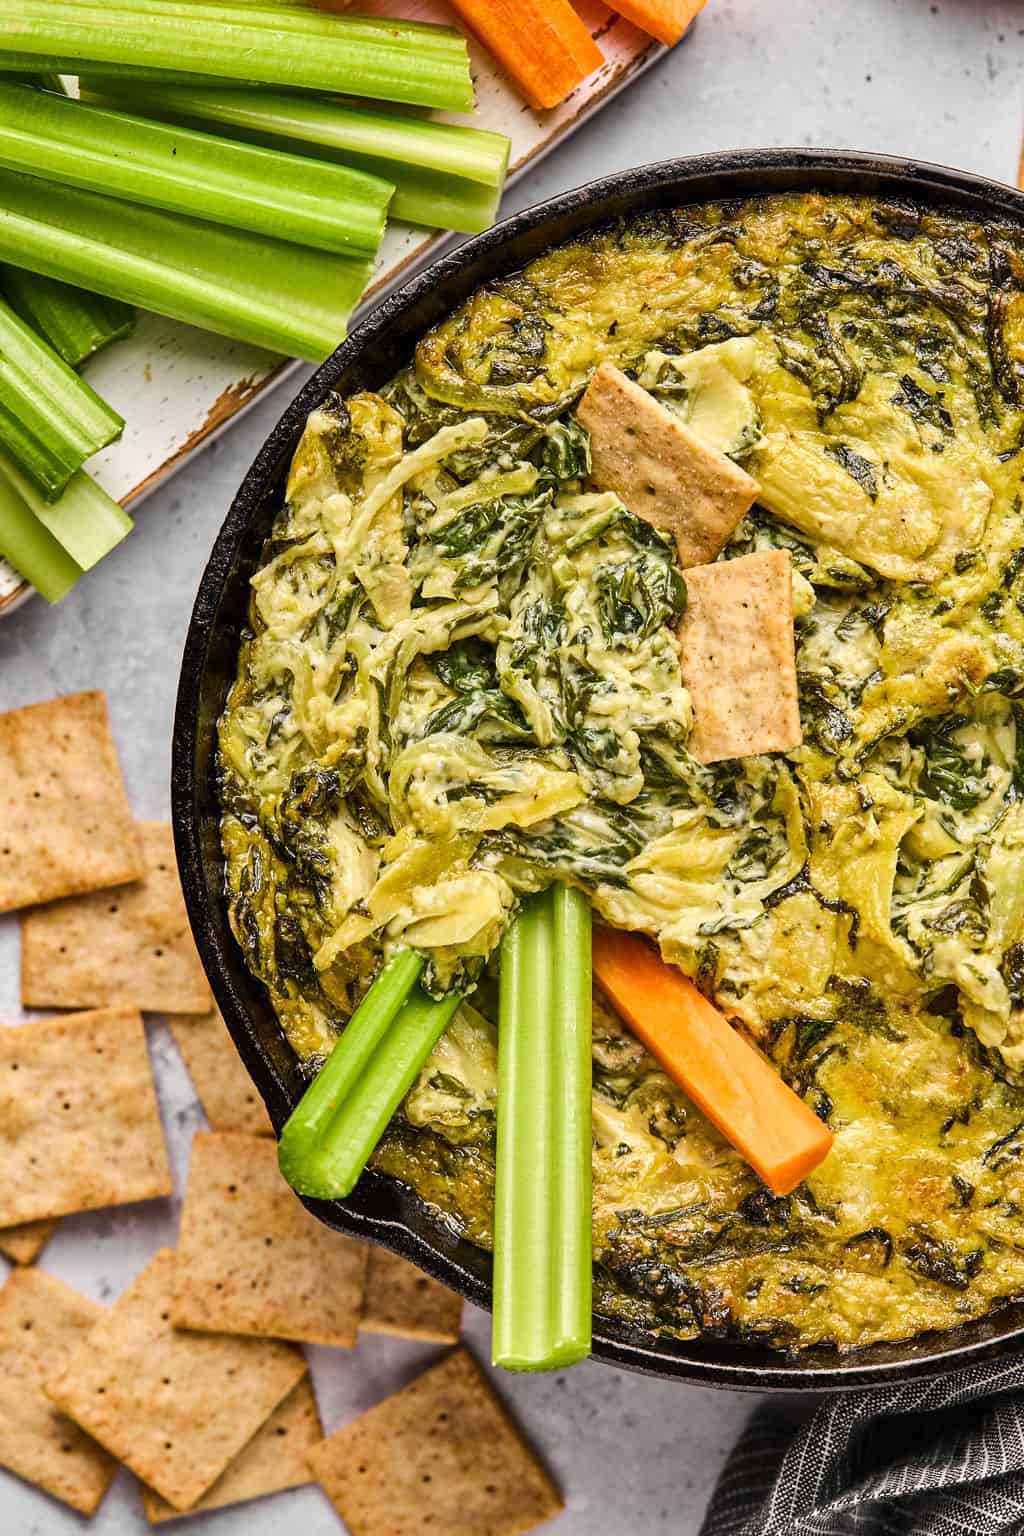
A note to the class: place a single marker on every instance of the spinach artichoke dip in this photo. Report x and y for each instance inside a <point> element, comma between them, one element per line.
<point>462,680</point>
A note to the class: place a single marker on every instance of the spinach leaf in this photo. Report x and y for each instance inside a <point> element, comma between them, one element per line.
<point>466,667</point>
<point>857,467</point>
<point>936,1260</point>
<point>638,596</point>
<point>565,449</point>
<point>921,406</point>
<point>487,713</point>
<point>491,541</point>
<point>948,774</point>
<point>1011,969</point>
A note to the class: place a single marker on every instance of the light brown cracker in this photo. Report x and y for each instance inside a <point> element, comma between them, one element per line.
<point>441,1452</point>
<point>215,1067</point>
<point>274,1459</point>
<point>402,1300</point>
<point>251,1259</point>
<point>660,469</point>
<point>738,657</point>
<point>26,1242</point>
<point>131,946</point>
<point>177,1408</point>
<point>65,823</point>
<point>42,1323</point>
<point>79,1123</point>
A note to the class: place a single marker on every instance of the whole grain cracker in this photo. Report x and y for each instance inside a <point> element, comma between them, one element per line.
<point>215,1067</point>
<point>177,1408</point>
<point>42,1323</point>
<point>441,1452</point>
<point>274,1459</point>
<point>738,657</point>
<point>26,1242</point>
<point>65,823</point>
<point>252,1260</point>
<point>131,946</point>
<point>402,1300</point>
<point>660,469</point>
<point>79,1122</point>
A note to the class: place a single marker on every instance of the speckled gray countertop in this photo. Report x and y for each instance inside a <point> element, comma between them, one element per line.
<point>936,79</point>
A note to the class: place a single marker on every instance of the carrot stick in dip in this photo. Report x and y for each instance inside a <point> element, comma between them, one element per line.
<point>737,1088</point>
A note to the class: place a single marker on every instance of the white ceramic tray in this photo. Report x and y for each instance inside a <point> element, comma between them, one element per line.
<point>177,387</point>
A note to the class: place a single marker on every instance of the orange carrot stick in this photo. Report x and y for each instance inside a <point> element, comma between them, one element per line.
<point>542,44</point>
<point>666,20</point>
<point>737,1088</point>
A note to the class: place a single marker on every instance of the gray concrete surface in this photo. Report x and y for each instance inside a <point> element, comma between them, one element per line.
<point>936,79</point>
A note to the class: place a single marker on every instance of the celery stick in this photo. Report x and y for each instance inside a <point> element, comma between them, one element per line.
<point>75,323</point>
<point>311,1119</point>
<point>392,1071</point>
<point>445,176</point>
<point>272,294</point>
<point>401,136</point>
<point>185,171</point>
<point>572,1213</point>
<point>50,420</point>
<point>524,1324</point>
<point>542,1206</point>
<point>34,553</point>
<point>312,50</point>
<point>332,1133</point>
<point>85,521</point>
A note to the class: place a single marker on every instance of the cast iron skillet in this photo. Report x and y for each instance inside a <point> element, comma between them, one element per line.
<point>381,1208</point>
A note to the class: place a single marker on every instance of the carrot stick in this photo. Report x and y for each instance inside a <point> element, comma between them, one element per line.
<point>542,44</point>
<point>736,1087</point>
<point>666,20</point>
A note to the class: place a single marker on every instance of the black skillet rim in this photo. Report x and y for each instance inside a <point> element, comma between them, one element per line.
<point>381,1208</point>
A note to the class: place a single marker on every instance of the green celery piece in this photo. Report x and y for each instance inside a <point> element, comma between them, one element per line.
<point>75,323</point>
<point>84,521</point>
<point>392,1071</point>
<point>572,1000</point>
<point>49,465</point>
<point>445,175</point>
<point>185,171</point>
<point>267,292</point>
<point>388,134</point>
<point>312,1117</point>
<point>332,1133</point>
<point>31,549</point>
<point>50,419</point>
<point>412,62</point>
<point>523,1324</point>
<point>542,1205</point>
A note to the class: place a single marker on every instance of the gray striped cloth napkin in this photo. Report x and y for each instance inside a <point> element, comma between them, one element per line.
<point>931,1458</point>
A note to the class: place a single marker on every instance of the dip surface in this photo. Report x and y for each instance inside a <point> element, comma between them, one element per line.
<point>461,681</point>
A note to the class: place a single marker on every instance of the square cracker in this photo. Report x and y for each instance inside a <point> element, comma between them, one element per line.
<point>129,947</point>
<point>444,1448</point>
<point>402,1300</point>
<point>251,1259</point>
<point>79,1123</point>
<point>42,1323</point>
<point>660,469</point>
<point>738,657</point>
<point>26,1242</point>
<point>274,1459</point>
<point>177,1408</point>
<point>65,822</point>
<point>215,1067</point>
